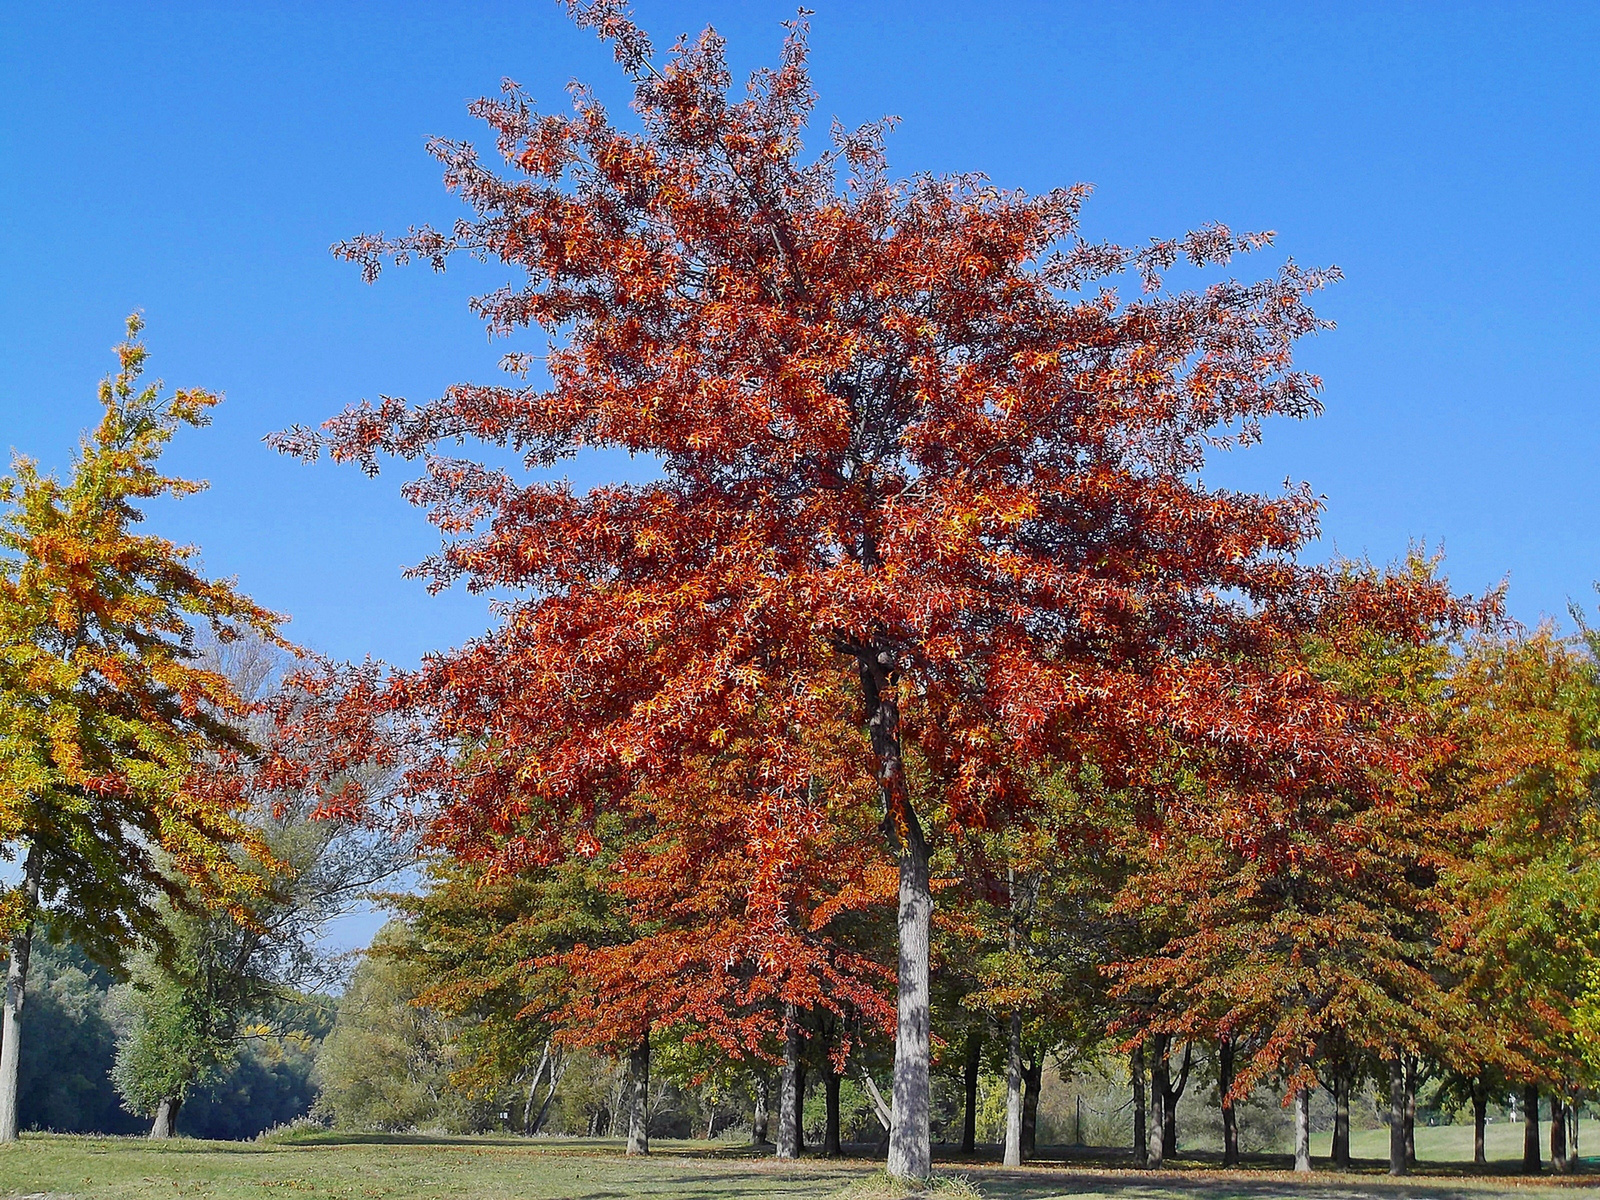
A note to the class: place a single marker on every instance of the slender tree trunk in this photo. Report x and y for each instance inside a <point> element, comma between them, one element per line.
<point>533,1088</point>
<point>758,1122</point>
<point>1341,1118</point>
<point>1032,1082</point>
<point>1558,1133</point>
<point>1411,1110</point>
<point>1480,1118</point>
<point>557,1070</point>
<point>1530,1130</point>
<point>969,1117</point>
<point>800,1108</point>
<point>1230,1118</point>
<point>639,1101</point>
<point>1302,1131</point>
<point>831,1147</point>
<point>1573,1112</point>
<point>910,1146</point>
<point>166,1123</point>
<point>1012,1156</point>
<point>16,994</point>
<point>1141,1145</point>
<point>1397,1116</point>
<point>1160,1085</point>
<point>1174,1092</point>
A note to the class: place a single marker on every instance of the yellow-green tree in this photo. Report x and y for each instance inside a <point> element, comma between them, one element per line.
<point>108,718</point>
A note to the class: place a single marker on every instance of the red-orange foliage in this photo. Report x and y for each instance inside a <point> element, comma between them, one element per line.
<point>908,433</point>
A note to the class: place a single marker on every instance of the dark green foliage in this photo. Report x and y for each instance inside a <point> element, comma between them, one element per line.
<point>66,1057</point>
<point>269,1084</point>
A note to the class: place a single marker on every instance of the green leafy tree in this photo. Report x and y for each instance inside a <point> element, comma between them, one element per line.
<point>223,969</point>
<point>388,1061</point>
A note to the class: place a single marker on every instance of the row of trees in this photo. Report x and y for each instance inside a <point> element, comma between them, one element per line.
<point>929,604</point>
<point>927,691</point>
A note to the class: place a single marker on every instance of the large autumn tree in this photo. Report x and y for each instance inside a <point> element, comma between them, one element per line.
<point>909,433</point>
<point>108,712</point>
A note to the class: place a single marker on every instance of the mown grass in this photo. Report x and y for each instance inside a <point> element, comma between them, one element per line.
<point>332,1166</point>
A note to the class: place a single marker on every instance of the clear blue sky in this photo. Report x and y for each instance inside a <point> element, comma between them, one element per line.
<point>195,160</point>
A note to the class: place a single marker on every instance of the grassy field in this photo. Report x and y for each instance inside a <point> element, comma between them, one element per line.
<point>383,1167</point>
<point>1453,1143</point>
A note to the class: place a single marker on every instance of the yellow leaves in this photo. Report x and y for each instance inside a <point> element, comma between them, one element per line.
<point>104,718</point>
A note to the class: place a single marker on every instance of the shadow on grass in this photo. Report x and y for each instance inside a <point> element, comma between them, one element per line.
<point>1057,1171</point>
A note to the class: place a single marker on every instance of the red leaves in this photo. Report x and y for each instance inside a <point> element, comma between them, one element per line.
<point>891,438</point>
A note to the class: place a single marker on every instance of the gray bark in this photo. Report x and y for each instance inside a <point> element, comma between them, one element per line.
<point>1141,1147</point>
<point>556,1073</point>
<point>533,1088</point>
<point>1302,1131</point>
<point>1397,1117</point>
<point>16,995</point>
<point>789,1088</point>
<point>1160,1084</point>
<point>758,1121</point>
<point>1411,1110</point>
<point>1013,1143</point>
<point>166,1122</point>
<point>639,1098</point>
<point>910,1146</point>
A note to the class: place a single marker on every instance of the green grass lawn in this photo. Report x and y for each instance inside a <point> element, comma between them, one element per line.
<point>1453,1143</point>
<point>385,1167</point>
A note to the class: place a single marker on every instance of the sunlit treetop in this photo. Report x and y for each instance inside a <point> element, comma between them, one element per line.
<point>107,714</point>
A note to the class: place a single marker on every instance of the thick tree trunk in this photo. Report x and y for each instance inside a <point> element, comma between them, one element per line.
<point>16,994</point>
<point>1397,1116</point>
<point>639,1099</point>
<point>1230,1118</point>
<point>969,1117</point>
<point>1302,1131</point>
<point>1558,1133</point>
<point>1160,1085</point>
<point>910,1146</point>
<point>1480,1118</point>
<point>1032,1082</point>
<point>831,1147</point>
<point>1341,1119</point>
<point>758,1120</point>
<point>1141,1145</point>
<point>790,1088</point>
<point>1411,1110</point>
<point>910,1150</point>
<point>1012,1156</point>
<point>166,1123</point>
<point>1530,1130</point>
